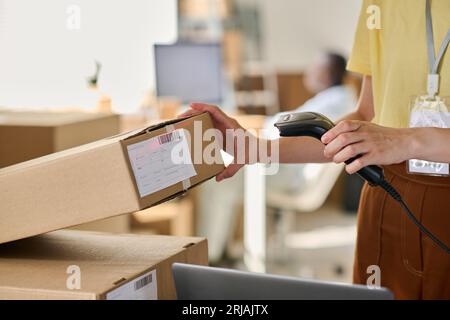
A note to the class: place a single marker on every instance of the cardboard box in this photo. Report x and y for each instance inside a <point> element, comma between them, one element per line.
<point>103,266</point>
<point>110,177</point>
<point>119,224</point>
<point>175,218</point>
<point>28,135</point>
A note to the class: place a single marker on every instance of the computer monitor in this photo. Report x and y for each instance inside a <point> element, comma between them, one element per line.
<point>190,72</point>
<point>205,283</point>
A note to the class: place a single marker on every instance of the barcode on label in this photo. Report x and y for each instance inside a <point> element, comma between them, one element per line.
<point>169,137</point>
<point>143,282</point>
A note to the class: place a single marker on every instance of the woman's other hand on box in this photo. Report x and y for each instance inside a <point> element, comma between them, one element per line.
<point>227,126</point>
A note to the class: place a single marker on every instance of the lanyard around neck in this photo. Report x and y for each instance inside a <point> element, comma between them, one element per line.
<point>434,62</point>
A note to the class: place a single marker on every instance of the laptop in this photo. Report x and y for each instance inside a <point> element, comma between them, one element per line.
<point>194,282</point>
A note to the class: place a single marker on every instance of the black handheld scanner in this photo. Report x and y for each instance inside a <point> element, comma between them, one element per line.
<point>315,125</point>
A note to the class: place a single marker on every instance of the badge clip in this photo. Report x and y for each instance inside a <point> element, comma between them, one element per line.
<point>433,85</point>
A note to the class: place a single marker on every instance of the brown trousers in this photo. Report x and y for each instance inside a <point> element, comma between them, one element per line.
<point>411,265</point>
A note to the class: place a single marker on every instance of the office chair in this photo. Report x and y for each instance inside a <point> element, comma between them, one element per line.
<point>319,181</point>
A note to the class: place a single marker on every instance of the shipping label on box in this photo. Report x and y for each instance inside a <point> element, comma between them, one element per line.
<point>161,161</point>
<point>144,287</point>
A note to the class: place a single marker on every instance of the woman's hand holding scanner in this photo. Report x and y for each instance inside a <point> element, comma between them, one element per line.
<point>372,144</point>
<point>317,126</point>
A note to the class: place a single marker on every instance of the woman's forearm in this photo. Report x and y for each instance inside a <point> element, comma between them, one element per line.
<point>301,150</point>
<point>431,144</point>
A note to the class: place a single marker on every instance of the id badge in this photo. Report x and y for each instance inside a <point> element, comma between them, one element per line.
<point>429,112</point>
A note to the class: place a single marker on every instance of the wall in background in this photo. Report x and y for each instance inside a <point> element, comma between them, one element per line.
<point>43,63</point>
<point>295,30</point>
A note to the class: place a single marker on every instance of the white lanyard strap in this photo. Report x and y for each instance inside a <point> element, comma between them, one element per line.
<point>434,62</point>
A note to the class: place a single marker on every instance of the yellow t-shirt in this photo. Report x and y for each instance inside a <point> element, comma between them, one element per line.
<point>396,54</point>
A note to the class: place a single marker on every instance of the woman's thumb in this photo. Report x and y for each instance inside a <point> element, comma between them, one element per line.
<point>229,172</point>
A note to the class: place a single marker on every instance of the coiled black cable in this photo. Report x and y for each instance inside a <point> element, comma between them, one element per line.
<point>396,196</point>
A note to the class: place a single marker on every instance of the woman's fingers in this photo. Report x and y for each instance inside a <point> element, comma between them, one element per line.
<point>219,117</point>
<point>215,111</point>
<point>350,152</point>
<point>358,164</point>
<point>189,113</point>
<point>340,142</point>
<point>229,172</point>
<point>340,128</point>
<point>217,114</point>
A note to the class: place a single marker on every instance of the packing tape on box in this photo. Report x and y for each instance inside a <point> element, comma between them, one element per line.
<point>186,183</point>
<point>170,128</point>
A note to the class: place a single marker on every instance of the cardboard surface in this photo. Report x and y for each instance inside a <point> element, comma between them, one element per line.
<point>36,268</point>
<point>29,135</point>
<point>175,218</point>
<point>119,224</point>
<point>84,184</point>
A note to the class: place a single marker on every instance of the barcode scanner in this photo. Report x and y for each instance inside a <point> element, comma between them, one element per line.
<point>315,125</point>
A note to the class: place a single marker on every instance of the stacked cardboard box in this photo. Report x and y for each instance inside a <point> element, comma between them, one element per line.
<point>28,135</point>
<point>110,177</point>
<point>83,265</point>
<point>25,135</point>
